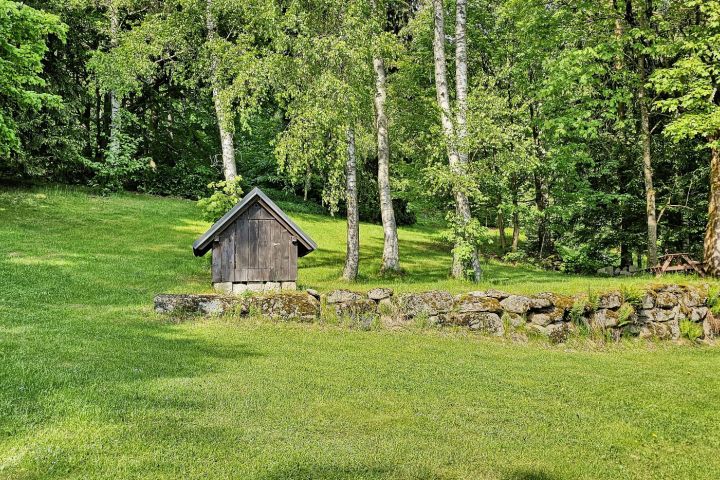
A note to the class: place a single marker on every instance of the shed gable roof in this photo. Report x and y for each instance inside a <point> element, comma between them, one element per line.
<point>204,243</point>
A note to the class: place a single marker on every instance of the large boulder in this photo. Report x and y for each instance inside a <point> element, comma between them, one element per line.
<point>193,304</point>
<point>610,300</point>
<point>692,298</point>
<point>432,304</point>
<point>287,306</point>
<point>380,293</point>
<point>540,318</point>
<point>486,322</point>
<point>361,312</point>
<point>604,318</point>
<point>471,303</point>
<point>516,304</point>
<point>666,299</point>
<point>342,296</point>
<point>497,294</point>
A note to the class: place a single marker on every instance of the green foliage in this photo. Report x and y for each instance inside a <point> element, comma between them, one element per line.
<point>691,330</point>
<point>632,295</point>
<point>625,314</point>
<point>577,311</point>
<point>23,43</point>
<point>224,196</point>
<point>713,300</point>
<point>120,166</point>
<point>466,238</point>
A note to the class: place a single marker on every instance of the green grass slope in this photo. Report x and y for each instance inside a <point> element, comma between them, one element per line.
<point>93,384</point>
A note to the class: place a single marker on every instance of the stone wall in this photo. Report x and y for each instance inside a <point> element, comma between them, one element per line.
<point>663,311</point>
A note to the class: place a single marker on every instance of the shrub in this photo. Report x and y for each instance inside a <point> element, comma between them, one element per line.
<point>625,314</point>
<point>225,195</point>
<point>690,330</point>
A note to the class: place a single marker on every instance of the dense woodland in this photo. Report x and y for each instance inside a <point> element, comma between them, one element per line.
<point>591,126</point>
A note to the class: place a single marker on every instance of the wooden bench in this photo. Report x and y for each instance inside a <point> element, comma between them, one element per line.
<point>679,263</point>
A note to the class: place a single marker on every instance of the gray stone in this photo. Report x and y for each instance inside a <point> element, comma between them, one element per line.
<point>674,326</point>
<point>288,286</point>
<point>255,287</point>
<point>604,318</point>
<point>211,304</point>
<point>542,300</point>
<point>666,300</point>
<point>287,306</point>
<point>342,296</point>
<point>606,271</point>
<point>429,303</point>
<point>487,322</point>
<point>541,319</point>
<point>497,294</point>
<point>555,327</point>
<point>313,293</point>
<point>533,327</point>
<point>239,288</point>
<point>691,298</point>
<point>632,269</point>
<point>223,287</point>
<point>698,314</point>
<point>378,294</point>
<point>658,315</point>
<point>516,320</point>
<point>648,301</point>
<point>271,287</point>
<point>471,303</point>
<point>610,300</point>
<point>516,304</point>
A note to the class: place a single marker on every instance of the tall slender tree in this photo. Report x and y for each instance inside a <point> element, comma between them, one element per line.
<point>224,117</point>
<point>457,155</point>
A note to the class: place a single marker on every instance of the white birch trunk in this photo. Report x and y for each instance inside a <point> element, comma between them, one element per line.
<point>115,121</point>
<point>226,135</point>
<point>352,256</point>
<point>391,260</point>
<point>457,167</point>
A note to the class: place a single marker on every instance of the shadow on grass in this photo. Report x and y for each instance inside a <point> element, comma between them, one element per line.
<point>530,475</point>
<point>327,472</point>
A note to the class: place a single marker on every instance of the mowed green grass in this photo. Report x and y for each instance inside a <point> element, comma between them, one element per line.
<point>93,384</point>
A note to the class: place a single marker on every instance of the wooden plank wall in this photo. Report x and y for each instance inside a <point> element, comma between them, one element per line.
<point>256,248</point>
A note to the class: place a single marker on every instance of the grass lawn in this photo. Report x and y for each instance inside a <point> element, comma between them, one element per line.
<point>93,384</point>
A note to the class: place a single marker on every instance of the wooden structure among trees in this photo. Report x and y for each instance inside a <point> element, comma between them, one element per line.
<point>678,263</point>
<point>255,246</point>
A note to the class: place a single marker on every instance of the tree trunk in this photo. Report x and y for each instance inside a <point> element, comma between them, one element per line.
<point>308,182</point>
<point>390,260</point>
<point>646,139</point>
<point>352,257</point>
<point>712,234</point>
<point>501,231</point>
<point>462,204</point>
<point>515,219</point>
<point>224,120</point>
<point>541,202</point>
<point>115,120</point>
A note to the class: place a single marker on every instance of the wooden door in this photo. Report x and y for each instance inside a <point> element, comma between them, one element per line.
<point>264,249</point>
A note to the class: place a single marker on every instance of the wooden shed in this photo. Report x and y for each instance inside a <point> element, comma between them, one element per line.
<point>255,246</point>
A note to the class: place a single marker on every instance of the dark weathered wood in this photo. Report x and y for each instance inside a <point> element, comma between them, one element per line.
<point>227,255</point>
<point>216,262</point>
<point>293,259</point>
<point>254,202</point>
<point>257,247</point>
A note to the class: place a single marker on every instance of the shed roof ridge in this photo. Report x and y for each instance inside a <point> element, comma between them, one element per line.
<point>202,244</point>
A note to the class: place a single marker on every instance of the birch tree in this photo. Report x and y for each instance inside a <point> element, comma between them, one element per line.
<point>224,116</point>
<point>456,150</point>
